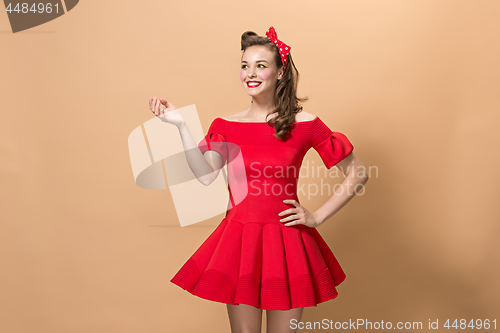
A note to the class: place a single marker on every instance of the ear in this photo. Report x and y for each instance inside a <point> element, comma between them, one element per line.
<point>280,74</point>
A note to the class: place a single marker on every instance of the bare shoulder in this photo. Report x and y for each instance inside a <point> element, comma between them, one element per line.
<point>304,116</point>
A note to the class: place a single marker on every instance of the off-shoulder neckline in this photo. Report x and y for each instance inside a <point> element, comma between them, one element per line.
<point>263,122</point>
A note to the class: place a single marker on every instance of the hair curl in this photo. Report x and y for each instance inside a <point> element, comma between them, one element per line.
<point>286,102</point>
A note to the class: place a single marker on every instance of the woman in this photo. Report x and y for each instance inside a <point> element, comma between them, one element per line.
<point>266,254</point>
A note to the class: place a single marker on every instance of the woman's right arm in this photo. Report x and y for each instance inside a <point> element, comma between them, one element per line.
<point>205,166</point>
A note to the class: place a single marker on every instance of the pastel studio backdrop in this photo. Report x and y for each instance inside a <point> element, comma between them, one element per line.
<point>413,85</point>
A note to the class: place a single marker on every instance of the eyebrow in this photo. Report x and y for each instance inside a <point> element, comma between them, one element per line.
<point>257,61</point>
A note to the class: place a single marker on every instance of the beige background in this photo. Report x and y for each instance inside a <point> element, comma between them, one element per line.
<point>413,84</point>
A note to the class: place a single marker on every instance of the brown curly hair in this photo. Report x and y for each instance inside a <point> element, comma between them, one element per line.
<point>286,102</point>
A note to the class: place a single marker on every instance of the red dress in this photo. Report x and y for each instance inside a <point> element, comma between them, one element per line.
<point>252,258</point>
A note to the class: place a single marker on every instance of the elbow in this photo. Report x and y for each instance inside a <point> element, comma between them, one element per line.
<point>358,179</point>
<point>205,181</point>
<point>208,179</point>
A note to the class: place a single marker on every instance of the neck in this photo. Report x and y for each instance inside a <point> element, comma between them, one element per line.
<point>261,106</point>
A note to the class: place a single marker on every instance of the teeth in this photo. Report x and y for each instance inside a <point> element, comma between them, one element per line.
<point>253,83</point>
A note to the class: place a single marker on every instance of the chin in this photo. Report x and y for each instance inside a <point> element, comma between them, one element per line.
<point>252,95</point>
<point>254,92</point>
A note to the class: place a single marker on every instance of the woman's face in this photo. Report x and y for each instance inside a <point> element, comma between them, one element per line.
<point>258,66</point>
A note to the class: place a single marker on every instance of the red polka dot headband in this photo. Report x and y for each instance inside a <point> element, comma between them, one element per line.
<point>282,47</point>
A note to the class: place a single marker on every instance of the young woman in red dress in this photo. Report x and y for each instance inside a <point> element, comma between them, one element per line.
<point>266,254</point>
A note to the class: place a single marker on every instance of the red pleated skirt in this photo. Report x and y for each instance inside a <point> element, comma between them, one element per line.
<point>268,266</point>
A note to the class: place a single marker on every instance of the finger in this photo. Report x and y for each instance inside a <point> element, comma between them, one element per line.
<point>289,218</point>
<point>157,111</point>
<point>291,201</point>
<point>152,104</point>
<point>293,223</point>
<point>164,102</point>
<point>160,107</point>
<point>286,212</point>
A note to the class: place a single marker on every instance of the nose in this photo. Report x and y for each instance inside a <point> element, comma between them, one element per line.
<point>251,72</point>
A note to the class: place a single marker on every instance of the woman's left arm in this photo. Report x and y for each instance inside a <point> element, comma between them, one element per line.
<point>356,177</point>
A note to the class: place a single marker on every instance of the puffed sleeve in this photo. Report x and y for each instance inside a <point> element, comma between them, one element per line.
<point>331,146</point>
<point>215,139</point>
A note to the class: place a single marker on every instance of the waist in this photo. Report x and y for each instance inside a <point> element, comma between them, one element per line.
<point>261,208</point>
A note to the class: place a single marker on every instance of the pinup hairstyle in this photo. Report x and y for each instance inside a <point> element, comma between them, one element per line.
<point>286,102</point>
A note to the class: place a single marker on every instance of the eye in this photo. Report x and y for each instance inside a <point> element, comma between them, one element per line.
<point>263,66</point>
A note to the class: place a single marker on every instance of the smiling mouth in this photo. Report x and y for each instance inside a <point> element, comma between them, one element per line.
<point>253,84</point>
